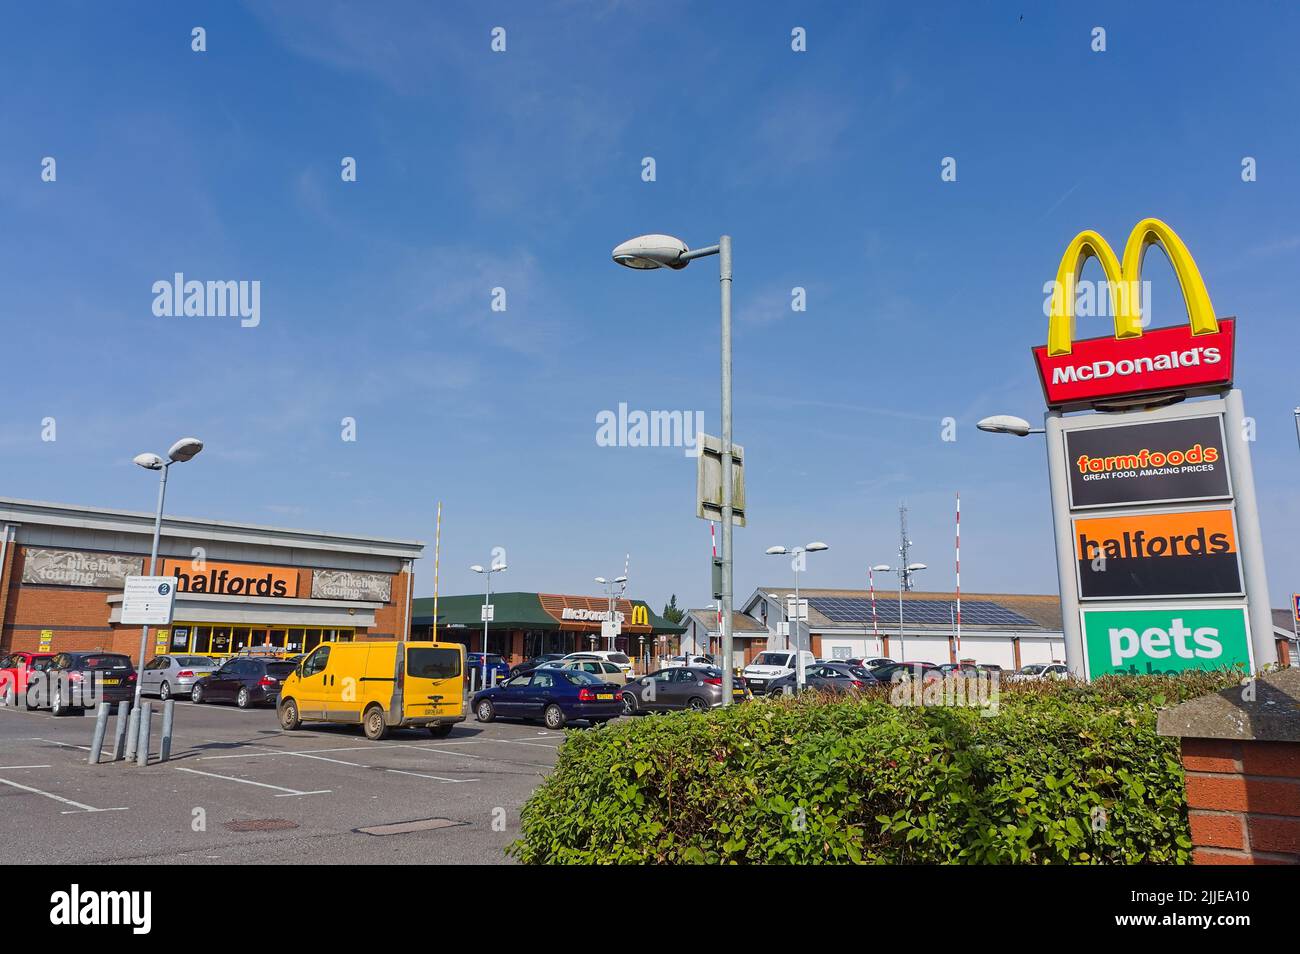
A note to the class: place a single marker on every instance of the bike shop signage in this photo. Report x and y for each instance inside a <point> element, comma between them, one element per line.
<point>1158,543</point>
<point>79,568</point>
<point>349,585</point>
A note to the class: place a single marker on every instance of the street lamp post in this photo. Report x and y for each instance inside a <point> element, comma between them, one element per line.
<point>183,450</point>
<point>614,590</point>
<point>665,251</point>
<point>904,583</point>
<point>797,563</point>
<point>487,612</point>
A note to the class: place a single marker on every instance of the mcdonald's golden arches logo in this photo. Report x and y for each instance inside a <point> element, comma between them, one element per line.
<point>1195,358</point>
<point>640,616</point>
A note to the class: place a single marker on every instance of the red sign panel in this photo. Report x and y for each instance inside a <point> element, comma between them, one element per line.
<point>1162,360</point>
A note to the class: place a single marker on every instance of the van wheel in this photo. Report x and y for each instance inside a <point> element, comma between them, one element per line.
<point>485,711</point>
<point>375,726</point>
<point>440,731</point>
<point>553,717</point>
<point>289,720</point>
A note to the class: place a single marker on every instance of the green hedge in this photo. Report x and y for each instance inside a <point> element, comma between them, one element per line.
<point>1063,773</point>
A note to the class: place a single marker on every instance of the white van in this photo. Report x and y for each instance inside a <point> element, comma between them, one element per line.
<point>773,664</point>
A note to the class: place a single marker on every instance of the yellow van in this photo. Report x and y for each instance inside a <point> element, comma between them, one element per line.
<point>362,683</point>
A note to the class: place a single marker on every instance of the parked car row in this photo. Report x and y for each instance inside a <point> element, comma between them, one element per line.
<point>65,682</point>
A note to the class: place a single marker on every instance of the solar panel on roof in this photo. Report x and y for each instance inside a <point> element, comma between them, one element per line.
<point>843,609</point>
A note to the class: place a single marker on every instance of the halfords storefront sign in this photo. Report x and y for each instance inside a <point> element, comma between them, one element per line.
<point>1157,531</point>
<point>231,579</point>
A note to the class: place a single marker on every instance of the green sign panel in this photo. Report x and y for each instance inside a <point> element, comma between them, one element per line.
<point>1141,641</point>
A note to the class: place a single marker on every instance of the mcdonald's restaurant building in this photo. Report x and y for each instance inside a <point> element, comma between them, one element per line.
<point>63,569</point>
<point>524,625</point>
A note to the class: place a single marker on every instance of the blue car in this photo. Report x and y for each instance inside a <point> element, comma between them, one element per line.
<point>555,696</point>
<point>497,668</point>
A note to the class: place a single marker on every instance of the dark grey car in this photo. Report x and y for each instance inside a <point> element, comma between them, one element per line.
<point>826,677</point>
<point>678,687</point>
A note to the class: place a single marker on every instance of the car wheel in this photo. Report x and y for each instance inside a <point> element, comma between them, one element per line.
<point>57,708</point>
<point>629,704</point>
<point>196,694</point>
<point>440,731</point>
<point>242,698</point>
<point>289,720</point>
<point>553,716</point>
<point>10,696</point>
<point>375,726</point>
<point>696,704</point>
<point>485,711</point>
<point>165,691</point>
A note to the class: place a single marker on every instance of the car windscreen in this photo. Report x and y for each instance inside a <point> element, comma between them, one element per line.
<point>433,663</point>
<point>619,658</point>
<point>280,670</point>
<point>495,661</point>
<point>1031,670</point>
<point>103,661</point>
<point>772,659</point>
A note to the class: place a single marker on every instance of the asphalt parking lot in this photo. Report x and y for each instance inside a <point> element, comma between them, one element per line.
<point>238,789</point>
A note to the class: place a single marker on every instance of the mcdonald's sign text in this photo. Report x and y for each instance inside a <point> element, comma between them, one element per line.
<point>1163,360</point>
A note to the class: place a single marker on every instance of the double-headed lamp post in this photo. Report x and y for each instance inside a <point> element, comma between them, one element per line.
<point>614,590</point>
<point>184,449</point>
<point>797,564</point>
<point>665,251</point>
<point>487,603</point>
<point>904,583</point>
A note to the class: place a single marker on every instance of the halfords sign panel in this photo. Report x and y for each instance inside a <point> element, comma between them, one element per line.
<point>347,585</point>
<point>1193,360</point>
<point>232,579</point>
<point>76,568</point>
<point>1166,640</point>
<point>1160,462</point>
<point>1162,554</point>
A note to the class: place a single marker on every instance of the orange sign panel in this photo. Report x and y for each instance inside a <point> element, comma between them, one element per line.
<point>231,579</point>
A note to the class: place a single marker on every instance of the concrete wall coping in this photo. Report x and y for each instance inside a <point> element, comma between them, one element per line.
<point>1272,716</point>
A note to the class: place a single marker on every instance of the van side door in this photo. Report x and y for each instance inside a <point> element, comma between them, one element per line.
<point>310,688</point>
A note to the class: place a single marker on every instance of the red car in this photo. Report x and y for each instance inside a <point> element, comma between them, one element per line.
<point>15,669</point>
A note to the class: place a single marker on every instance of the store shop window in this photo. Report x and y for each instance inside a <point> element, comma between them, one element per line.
<point>293,642</point>
<point>220,639</point>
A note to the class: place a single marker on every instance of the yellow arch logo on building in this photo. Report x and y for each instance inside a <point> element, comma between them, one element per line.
<point>1125,282</point>
<point>640,616</point>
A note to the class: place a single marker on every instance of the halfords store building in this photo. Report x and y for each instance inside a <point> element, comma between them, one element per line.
<point>63,568</point>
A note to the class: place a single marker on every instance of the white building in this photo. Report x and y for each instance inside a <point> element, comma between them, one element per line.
<point>1005,629</point>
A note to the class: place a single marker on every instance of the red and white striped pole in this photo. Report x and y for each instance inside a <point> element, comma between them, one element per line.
<point>713,539</point>
<point>958,576</point>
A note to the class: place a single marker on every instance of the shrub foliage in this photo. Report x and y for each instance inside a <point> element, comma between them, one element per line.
<point>1064,772</point>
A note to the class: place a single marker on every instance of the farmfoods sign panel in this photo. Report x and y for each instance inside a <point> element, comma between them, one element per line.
<point>1155,462</point>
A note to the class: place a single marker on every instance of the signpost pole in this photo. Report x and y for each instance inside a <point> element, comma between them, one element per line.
<point>1249,542</point>
<point>1059,478</point>
<point>153,559</point>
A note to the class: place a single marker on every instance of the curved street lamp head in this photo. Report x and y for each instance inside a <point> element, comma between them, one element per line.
<point>651,251</point>
<point>1006,424</point>
<point>776,551</point>
<point>620,579</point>
<point>498,567</point>
<point>148,461</point>
<point>916,566</point>
<point>882,568</point>
<point>816,546</point>
<point>476,568</point>
<point>185,449</point>
<point>601,580</point>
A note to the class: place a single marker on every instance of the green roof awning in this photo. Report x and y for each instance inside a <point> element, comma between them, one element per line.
<point>510,610</point>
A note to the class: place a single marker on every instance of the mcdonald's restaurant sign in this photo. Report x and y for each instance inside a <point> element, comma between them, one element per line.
<point>1193,359</point>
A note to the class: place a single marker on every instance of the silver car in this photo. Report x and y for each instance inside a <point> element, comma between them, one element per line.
<point>167,676</point>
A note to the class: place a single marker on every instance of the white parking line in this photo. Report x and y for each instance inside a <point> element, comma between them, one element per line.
<point>2,767</point>
<point>246,781</point>
<point>542,745</point>
<point>67,745</point>
<point>59,798</point>
<point>436,778</point>
<point>305,752</point>
<point>428,748</point>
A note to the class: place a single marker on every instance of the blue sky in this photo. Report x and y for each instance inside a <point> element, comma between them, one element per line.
<point>522,170</point>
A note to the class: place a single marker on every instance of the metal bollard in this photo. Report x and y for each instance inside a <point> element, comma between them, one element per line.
<point>119,730</point>
<point>165,743</point>
<point>132,732</point>
<point>142,747</point>
<point>101,727</point>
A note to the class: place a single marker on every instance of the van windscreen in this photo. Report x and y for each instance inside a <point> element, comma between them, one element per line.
<point>433,663</point>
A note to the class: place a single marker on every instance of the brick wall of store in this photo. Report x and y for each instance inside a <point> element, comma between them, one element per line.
<point>1243,801</point>
<point>78,616</point>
